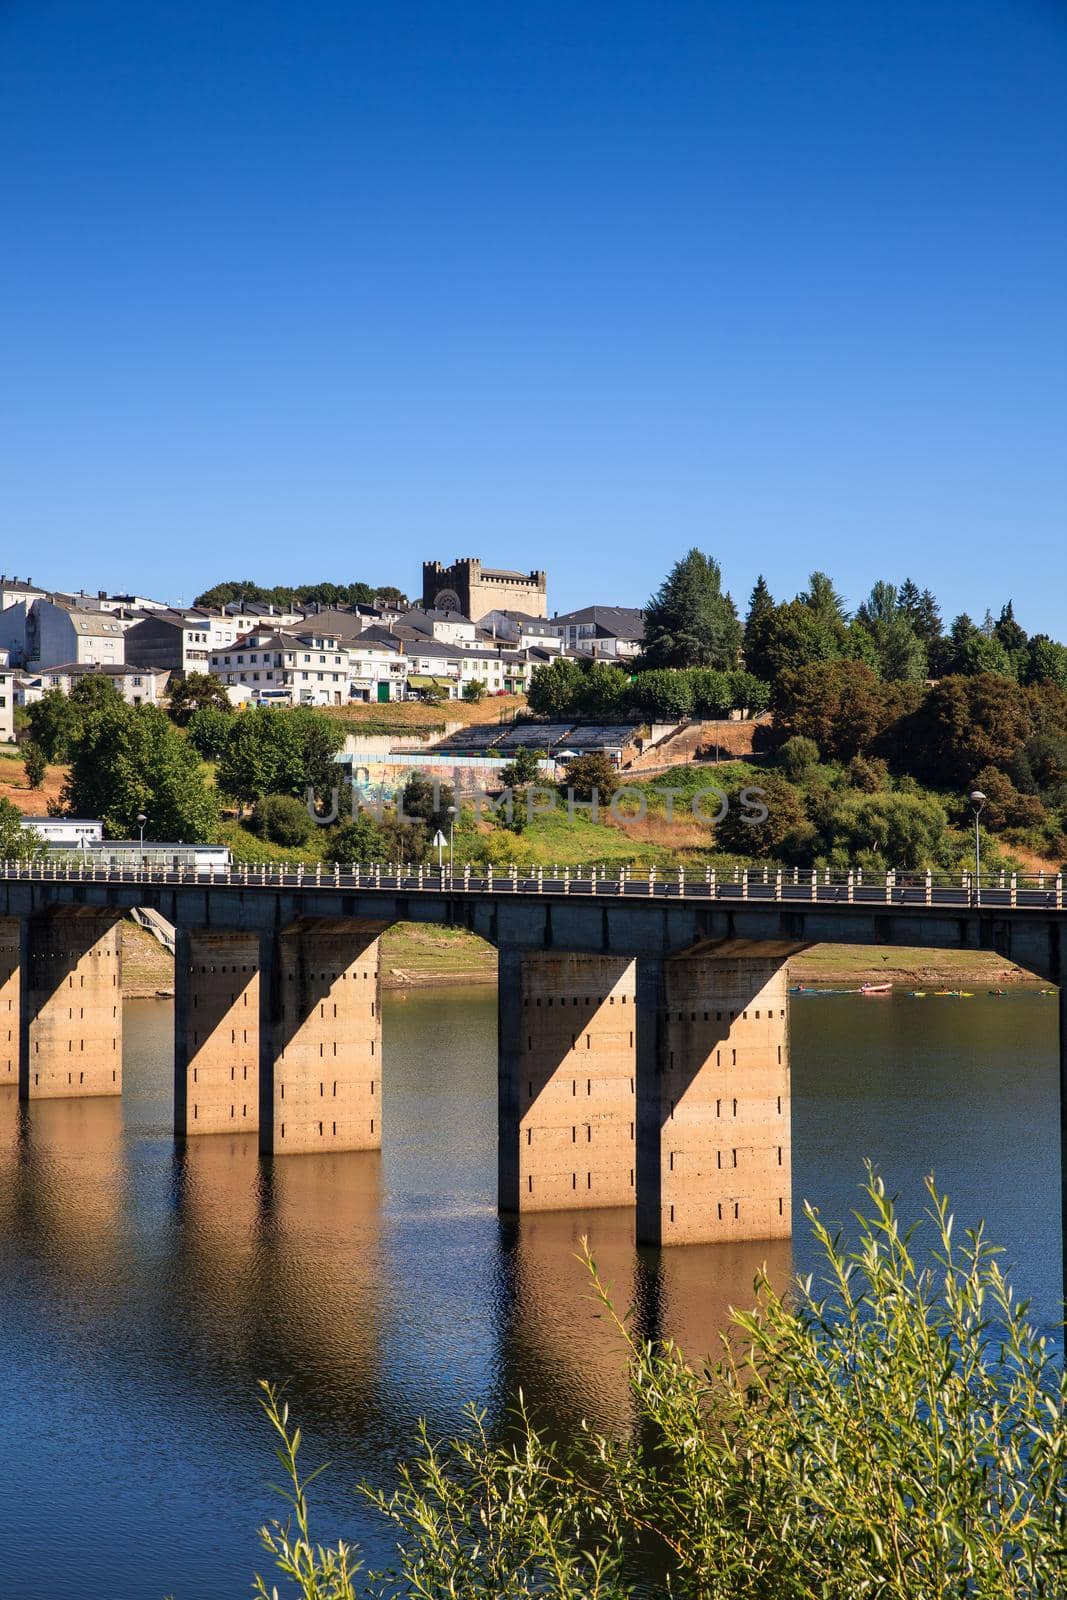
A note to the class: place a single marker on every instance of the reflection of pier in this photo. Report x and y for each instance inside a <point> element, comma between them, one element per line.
<point>643,1025</point>
<point>565,1348</point>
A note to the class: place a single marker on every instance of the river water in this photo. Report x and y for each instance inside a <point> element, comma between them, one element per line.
<point>145,1290</point>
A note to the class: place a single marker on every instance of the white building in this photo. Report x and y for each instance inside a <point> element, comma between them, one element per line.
<point>12,590</point>
<point>377,671</point>
<point>138,686</point>
<point>58,633</point>
<point>522,631</point>
<point>302,669</point>
<point>66,833</point>
<point>7,705</point>
<point>609,633</point>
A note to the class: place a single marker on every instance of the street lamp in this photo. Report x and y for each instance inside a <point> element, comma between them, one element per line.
<point>451,839</point>
<point>978,801</point>
<point>141,820</point>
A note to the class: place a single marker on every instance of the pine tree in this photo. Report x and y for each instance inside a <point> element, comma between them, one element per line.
<point>927,622</point>
<point>822,598</point>
<point>690,621</point>
<point>909,600</point>
<point>760,610</point>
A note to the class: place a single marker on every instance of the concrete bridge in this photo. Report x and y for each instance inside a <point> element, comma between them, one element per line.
<point>643,1020</point>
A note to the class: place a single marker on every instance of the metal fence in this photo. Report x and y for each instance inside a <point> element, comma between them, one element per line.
<point>1004,890</point>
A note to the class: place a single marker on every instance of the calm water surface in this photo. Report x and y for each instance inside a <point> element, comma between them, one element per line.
<point>144,1291</point>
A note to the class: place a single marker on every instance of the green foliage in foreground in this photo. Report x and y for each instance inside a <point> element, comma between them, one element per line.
<point>892,1431</point>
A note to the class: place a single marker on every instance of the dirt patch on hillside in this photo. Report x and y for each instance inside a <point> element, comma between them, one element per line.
<point>14,787</point>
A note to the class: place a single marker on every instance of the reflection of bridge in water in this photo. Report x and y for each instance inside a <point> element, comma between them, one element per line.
<point>643,1022</point>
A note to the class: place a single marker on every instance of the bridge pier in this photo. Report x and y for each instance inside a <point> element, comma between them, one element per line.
<point>1063,1129</point>
<point>566,1081</point>
<point>11,958</point>
<point>216,1032</point>
<point>713,1103</point>
<point>321,1046</point>
<point>70,1011</point>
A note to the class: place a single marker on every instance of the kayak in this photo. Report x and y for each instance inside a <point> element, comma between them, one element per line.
<point>876,988</point>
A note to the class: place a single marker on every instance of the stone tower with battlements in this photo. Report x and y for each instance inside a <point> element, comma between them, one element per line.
<point>475,590</point>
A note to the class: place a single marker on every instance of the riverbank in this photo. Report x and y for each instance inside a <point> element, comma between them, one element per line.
<point>421,955</point>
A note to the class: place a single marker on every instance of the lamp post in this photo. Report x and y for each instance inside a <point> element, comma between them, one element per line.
<point>451,841</point>
<point>141,820</point>
<point>978,801</point>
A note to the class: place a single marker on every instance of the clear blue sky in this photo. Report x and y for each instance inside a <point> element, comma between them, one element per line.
<point>303,290</point>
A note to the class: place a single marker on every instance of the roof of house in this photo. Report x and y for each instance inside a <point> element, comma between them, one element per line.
<point>342,624</point>
<point>174,619</point>
<point>82,669</point>
<point>619,622</point>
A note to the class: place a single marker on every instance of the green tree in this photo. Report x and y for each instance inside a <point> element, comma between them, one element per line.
<point>195,692</point>
<point>53,722</point>
<point>588,775</point>
<point>473,691</point>
<point>35,762</point>
<point>603,693</point>
<point>760,608</point>
<point>284,595</point>
<point>128,760</point>
<point>981,652</point>
<point>712,691</point>
<point>276,751</point>
<point>389,596</point>
<point>690,621</point>
<point>524,769</point>
<point>784,833</point>
<point>555,689</point>
<point>1046,661</point>
<point>748,693</point>
<point>823,599</point>
<point>16,842</point>
<point>93,691</point>
<point>901,830</point>
<point>793,636</point>
<point>363,840</point>
<point>283,819</point>
<point>963,725</point>
<point>1009,633</point>
<point>423,801</point>
<point>841,705</point>
<point>926,619</point>
<point>208,730</point>
<point>663,695</point>
<point>899,652</point>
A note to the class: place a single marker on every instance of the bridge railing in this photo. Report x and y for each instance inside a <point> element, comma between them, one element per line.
<point>760,882</point>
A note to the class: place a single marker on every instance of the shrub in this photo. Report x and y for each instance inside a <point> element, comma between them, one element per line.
<point>586,774</point>
<point>868,774</point>
<point>784,833</point>
<point>797,756</point>
<point>359,841</point>
<point>891,1427</point>
<point>282,819</point>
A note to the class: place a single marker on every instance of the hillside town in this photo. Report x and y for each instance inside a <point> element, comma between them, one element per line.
<point>474,631</point>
